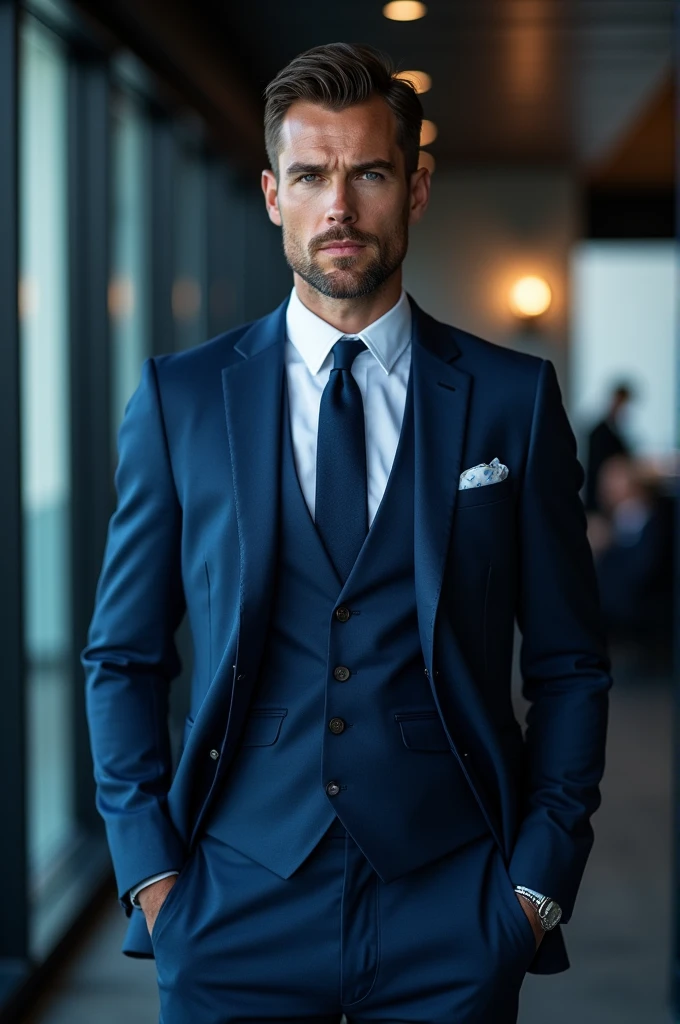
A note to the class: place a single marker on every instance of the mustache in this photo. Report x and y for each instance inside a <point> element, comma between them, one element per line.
<point>343,235</point>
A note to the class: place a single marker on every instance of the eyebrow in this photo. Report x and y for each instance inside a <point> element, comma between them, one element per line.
<point>369,165</point>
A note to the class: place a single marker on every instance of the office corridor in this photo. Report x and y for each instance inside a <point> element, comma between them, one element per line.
<point>618,940</point>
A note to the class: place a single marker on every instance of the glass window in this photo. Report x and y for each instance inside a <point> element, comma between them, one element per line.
<point>46,490</point>
<point>189,298</point>
<point>129,286</point>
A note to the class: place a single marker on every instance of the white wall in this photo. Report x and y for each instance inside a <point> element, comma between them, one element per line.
<point>623,324</point>
<point>484,229</point>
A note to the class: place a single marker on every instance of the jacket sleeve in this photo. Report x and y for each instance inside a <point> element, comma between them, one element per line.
<point>131,657</point>
<point>563,659</point>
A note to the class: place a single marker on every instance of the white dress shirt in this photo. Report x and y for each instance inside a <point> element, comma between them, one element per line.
<point>382,375</point>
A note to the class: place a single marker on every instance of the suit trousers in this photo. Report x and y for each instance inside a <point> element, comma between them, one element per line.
<point>448,942</point>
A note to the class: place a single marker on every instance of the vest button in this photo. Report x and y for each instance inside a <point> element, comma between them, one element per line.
<point>332,789</point>
<point>336,725</point>
<point>342,613</point>
<point>214,754</point>
<point>341,673</point>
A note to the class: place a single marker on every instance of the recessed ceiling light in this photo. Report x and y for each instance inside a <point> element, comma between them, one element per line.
<point>404,10</point>
<point>428,133</point>
<point>426,159</point>
<point>420,79</point>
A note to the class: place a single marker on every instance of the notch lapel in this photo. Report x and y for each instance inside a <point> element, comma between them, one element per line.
<point>441,395</point>
<point>253,394</point>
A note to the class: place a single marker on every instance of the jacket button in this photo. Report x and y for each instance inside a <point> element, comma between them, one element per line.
<point>342,613</point>
<point>332,789</point>
<point>214,754</point>
<point>341,673</point>
<point>427,673</point>
<point>336,725</point>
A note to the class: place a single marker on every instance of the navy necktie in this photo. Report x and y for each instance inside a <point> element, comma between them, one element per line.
<point>341,503</point>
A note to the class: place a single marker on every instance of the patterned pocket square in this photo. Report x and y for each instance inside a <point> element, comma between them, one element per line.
<point>483,474</point>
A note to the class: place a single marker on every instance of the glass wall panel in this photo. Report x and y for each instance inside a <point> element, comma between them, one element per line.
<point>46,491</point>
<point>190,285</point>
<point>129,287</point>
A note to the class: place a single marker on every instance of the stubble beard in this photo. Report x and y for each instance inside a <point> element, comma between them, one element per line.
<point>346,280</point>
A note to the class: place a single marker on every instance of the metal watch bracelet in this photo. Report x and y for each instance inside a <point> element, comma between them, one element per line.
<point>549,912</point>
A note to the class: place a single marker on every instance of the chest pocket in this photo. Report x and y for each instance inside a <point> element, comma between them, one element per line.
<point>489,494</point>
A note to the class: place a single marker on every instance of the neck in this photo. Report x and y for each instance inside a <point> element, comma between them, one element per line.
<point>351,315</point>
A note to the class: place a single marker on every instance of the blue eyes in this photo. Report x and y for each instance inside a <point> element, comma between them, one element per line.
<point>376,176</point>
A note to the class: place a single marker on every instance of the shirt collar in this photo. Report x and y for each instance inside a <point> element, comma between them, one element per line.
<point>386,337</point>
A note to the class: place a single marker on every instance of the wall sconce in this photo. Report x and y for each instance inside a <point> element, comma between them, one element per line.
<point>529,297</point>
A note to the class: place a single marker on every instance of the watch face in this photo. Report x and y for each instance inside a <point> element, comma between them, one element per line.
<point>550,915</point>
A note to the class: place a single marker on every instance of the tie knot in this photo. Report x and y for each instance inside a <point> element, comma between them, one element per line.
<point>345,352</point>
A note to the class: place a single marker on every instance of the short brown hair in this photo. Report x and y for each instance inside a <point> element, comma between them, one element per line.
<point>338,75</point>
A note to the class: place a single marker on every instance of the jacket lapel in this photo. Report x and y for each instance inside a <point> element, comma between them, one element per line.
<point>252,397</point>
<point>441,395</point>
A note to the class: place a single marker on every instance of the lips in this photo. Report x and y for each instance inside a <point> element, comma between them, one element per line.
<point>343,247</point>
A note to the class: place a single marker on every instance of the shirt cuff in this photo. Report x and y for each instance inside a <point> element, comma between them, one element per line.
<point>148,881</point>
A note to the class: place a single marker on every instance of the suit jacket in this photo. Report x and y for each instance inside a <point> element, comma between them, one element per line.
<point>197,485</point>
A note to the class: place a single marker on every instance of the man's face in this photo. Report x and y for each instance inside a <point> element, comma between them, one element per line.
<point>342,181</point>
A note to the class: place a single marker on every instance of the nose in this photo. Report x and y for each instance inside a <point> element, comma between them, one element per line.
<point>341,209</point>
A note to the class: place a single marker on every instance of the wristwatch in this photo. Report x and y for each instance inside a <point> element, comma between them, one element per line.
<point>549,912</point>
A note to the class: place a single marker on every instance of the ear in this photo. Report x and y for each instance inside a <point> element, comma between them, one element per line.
<point>419,194</point>
<point>271,196</point>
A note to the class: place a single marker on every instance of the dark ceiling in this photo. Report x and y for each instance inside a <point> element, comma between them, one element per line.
<point>514,81</point>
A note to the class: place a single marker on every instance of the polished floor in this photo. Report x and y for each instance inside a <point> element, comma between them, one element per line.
<point>619,937</point>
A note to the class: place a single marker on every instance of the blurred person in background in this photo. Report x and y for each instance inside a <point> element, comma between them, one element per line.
<point>353,503</point>
<point>607,439</point>
<point>632,540</point>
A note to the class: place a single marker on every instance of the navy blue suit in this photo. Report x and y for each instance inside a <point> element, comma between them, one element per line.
<point>439,797</point>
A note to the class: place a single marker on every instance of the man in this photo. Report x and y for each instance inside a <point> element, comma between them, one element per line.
<point>353,502</point>
<point>605,440</point>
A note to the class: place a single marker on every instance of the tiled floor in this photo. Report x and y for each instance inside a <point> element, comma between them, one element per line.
<point>618,939</point>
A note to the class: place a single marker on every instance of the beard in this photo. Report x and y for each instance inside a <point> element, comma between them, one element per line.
<point>346,280</point>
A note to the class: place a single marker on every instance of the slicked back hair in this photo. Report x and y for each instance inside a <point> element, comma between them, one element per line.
<point>336,76</point>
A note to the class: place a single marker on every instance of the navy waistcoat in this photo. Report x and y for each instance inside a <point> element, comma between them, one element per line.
<point>343,723</point>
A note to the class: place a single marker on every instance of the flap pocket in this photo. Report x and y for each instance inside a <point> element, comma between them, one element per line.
<point>422,730</point>
<point>263,726</point>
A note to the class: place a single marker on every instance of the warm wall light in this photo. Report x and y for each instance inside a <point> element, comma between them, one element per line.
<point>428,133</point>
<point>426,159</point>
<point>420,79</point>
<point>530,296</point>
<point>404,10</point>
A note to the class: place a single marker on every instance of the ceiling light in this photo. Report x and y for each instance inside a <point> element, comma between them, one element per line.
<point>530,296</point>
<point>404,10</point>
<point>428,133</point>
<point>426,159</point>
<point>420,79</point>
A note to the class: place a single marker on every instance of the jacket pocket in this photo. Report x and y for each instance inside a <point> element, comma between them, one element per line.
<point>263,726</point>
<point>422,730</point>
<point>488,494</point>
